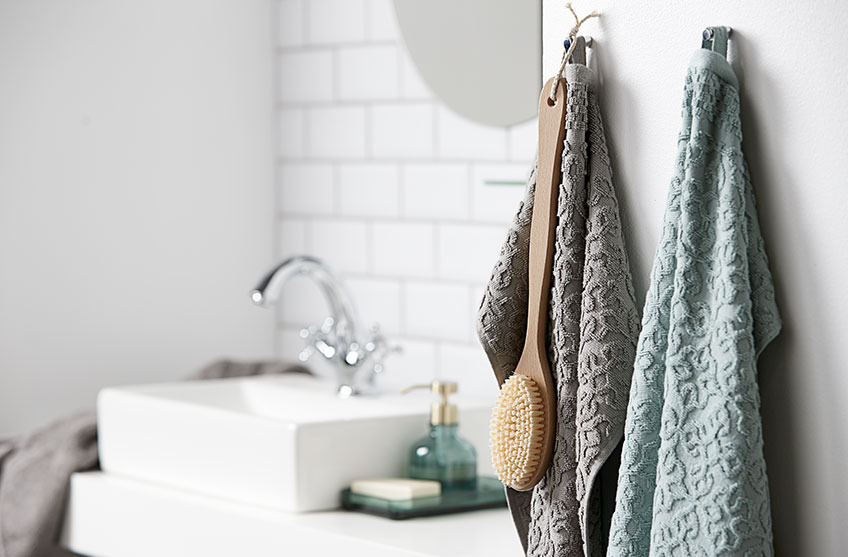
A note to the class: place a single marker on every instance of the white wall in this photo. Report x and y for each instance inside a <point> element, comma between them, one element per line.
<point>793,69</point>
<point>385,183</point>
<point>135,194</point>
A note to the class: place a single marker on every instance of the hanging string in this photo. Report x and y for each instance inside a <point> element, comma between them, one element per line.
<point>566,56</point>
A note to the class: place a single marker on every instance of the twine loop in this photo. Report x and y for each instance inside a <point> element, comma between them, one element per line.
<point>572,36</point>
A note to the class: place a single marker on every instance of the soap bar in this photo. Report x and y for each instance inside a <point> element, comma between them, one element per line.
<point>396,489</point>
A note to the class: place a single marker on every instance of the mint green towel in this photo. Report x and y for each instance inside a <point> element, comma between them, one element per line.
<point>692,480</point>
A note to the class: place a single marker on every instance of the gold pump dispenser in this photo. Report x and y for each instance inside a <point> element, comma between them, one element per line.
<point>443,455</point>
<point>441,412</point>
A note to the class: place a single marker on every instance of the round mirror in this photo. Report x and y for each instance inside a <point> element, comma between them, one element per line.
<point>482,58</point>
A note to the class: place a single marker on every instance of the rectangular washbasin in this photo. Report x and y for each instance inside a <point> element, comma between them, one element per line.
<point>284,442</point>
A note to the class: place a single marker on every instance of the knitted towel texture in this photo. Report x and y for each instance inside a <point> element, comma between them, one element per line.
<point>592,333</point>
<point>692,479</point>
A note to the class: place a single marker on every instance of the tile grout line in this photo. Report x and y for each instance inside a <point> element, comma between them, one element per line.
<point>384,219</point>
<point>377,276</point>
<point>293,327</point>
<point>410,160</point>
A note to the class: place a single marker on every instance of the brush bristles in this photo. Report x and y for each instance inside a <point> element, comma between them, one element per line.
<point>516,430</point>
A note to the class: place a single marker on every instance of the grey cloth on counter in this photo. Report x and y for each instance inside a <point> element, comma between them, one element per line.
<point>35,469</point>
<point>593,326</point>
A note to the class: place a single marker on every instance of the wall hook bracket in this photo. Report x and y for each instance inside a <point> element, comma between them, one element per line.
<point>715,39</point>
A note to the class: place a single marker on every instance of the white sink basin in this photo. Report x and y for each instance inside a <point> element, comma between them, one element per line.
<point>283,442</point>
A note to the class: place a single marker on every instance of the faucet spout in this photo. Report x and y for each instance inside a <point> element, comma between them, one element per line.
<point>338,339</point>
<point>342,310</point>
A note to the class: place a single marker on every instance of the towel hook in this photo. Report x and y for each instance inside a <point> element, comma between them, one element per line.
<point>572,35</point>
<point>715,39</point>
<point>567,43</point>
<point>709,33</point>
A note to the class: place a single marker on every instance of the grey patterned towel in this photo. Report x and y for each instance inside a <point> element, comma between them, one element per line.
<point>35,469</point>
<point>593,326</point>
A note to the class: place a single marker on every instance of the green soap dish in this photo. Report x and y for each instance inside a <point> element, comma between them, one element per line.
<point>488,494</point>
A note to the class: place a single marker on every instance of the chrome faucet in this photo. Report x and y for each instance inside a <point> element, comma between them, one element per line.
<point>338,340</point>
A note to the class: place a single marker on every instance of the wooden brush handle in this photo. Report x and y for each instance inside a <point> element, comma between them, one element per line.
<point>534,358</point>
<point>543,223</point>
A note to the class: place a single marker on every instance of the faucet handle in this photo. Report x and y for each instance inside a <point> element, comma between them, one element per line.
<point>327,325</point>
<point>378,343</point>
<point>376,337</point>
<point>316,340</point>
<point>306,353</point>
<point>379,348</point>
<point>308,332</point>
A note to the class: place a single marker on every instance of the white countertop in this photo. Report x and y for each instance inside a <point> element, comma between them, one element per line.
<point>110,516</point>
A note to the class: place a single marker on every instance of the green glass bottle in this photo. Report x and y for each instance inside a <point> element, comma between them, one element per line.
<point>443,455</point>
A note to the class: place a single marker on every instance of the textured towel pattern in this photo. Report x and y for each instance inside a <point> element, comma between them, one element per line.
<point>592,331</point>
<point>693,479</point>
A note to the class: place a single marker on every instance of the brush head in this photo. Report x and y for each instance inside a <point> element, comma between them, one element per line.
<point>516,432</point>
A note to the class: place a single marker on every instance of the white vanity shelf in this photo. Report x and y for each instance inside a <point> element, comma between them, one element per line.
<point>110,516</point>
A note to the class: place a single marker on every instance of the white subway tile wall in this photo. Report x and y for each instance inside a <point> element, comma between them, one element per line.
<point>341,243</point>
<point>406,199</point>
<point>403,131</point>
<point>467,251</point>
<point>369,190</point>
<point>411,84</point>
<point>434,190</point>
<point>336,132</point>
<point>378,302</point>
<point>464,139</point>
<point>493,187</point>
<point>380,21</point>
<point>437,310</point>
<point>334,21</point>
<point>368,73</point>
<point>404,249</point>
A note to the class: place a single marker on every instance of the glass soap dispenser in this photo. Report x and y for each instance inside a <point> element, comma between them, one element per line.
<point>443,455</point>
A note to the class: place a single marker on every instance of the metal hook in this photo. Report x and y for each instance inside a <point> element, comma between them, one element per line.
<point>567,43</point>
<point>709,33</point>
<point>715,39</point>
